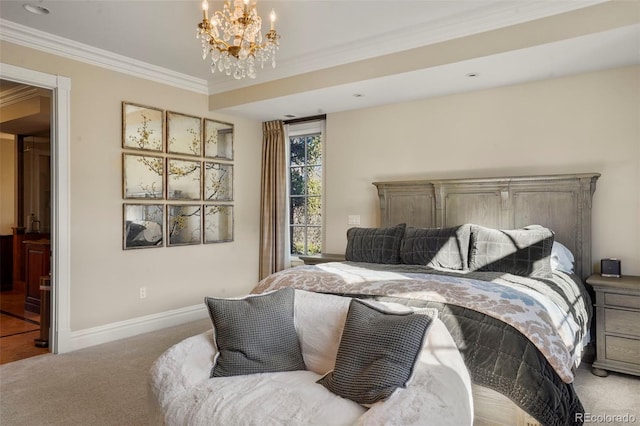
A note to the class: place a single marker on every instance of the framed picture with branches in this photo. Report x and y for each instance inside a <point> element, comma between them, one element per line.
<point>218,181</point>
<point>142,176</point>
<point>142,127</point>
<point>184,224</point>
<point>218,223</point>
<point>183,179</point>
<point>184,134</point>
<point>143,226</point>
<point>218,139</point>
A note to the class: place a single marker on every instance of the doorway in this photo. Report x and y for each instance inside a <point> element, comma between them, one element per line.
<point>25,220</point>
<point>60,339</point>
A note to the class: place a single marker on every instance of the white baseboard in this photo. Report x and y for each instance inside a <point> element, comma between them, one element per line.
<point>129,328</point>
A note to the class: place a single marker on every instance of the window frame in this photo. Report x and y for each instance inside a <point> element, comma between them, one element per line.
<point>297,130</point>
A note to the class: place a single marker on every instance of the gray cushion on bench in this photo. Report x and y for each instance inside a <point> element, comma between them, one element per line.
<point>377,352</point>
<point>255,334</point>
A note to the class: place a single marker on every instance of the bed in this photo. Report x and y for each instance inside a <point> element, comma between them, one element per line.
<point>520,321</point>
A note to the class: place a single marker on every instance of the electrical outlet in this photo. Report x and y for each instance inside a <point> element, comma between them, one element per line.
<point>143,292</point>
<point>353,219</point>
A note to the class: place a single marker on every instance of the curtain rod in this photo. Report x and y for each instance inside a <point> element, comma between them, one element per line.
<point>303,119</point>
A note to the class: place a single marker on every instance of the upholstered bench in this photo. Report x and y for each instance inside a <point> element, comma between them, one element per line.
<point>438,391</point>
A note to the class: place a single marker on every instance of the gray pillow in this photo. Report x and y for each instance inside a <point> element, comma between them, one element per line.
<point>438,247</point>
<point>255,334</point>
<point>377,352</point>
<point>374,245</point>
<point>525,252</point>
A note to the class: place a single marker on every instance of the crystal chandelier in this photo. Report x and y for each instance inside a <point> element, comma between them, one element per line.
<point>232,37</point>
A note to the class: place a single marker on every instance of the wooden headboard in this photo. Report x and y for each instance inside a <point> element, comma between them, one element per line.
<point>559,202</point>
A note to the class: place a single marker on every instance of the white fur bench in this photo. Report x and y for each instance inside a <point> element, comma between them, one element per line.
<point>181,392</point>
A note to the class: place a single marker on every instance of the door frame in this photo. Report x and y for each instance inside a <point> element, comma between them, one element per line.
<point>60,337</point>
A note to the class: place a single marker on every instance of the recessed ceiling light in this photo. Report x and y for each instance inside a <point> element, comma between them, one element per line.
<point>36,9</point>
<point>290,116</point>
<point>472,74</point>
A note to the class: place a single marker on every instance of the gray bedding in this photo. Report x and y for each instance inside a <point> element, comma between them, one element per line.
<point>487,313</point>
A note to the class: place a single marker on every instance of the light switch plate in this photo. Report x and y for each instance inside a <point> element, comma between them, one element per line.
<point>353,219</point>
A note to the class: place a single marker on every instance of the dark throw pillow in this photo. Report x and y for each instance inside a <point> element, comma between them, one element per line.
<point>374,245</point>
<point>525,252</point>
<point>255,334</point>
<point>377,352</point>
<point>437,247</point>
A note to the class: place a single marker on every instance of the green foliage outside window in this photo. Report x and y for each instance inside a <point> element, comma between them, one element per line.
<point>305,207</point>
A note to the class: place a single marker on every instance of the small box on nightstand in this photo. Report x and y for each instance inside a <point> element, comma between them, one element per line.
<point>610,268</point>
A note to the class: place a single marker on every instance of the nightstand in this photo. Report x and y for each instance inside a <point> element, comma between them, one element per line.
<point>322,258</point>
<point>617,324</point>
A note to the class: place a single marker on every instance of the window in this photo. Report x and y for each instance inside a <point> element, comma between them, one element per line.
<point>305,188</point>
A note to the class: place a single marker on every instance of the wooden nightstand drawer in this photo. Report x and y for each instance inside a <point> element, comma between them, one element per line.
<point>617,316</point>
<point>623,350</point>
<point>622,322</point>
<point>622,300</point>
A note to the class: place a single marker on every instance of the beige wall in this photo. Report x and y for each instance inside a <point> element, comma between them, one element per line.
<point>583,123</point>
<point>586,123</point>
<point>7,185</point>
<point>105,280</point>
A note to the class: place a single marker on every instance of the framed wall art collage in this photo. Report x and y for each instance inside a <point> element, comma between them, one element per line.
<point>177,178</point>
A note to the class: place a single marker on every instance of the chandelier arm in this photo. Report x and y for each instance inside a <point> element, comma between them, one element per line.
<point>206,28</point>
<point>216,42</point>
<point>213,41</point>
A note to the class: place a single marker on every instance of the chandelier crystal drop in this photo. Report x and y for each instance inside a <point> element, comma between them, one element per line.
<point>233,39</point>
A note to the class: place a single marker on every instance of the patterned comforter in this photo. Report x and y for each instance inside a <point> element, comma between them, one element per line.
<point>518,335</point>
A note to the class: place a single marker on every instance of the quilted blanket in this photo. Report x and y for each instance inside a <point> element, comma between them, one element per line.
<point>518,335</point>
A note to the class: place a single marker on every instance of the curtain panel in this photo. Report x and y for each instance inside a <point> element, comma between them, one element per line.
<point>273,199</point>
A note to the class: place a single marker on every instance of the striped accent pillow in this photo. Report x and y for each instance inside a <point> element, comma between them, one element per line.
<point>377,352</point>
<point>255,334</point>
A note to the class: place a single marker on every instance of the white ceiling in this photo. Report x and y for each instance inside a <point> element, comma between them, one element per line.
<point>324,34</point>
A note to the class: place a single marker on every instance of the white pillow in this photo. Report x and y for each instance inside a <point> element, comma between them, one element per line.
<point>561,258</point>
<point>319,320</point>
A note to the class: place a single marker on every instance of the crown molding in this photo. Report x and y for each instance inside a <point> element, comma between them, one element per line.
<point>485,18</point>
<point>60,46</point>
<point>19,94</point>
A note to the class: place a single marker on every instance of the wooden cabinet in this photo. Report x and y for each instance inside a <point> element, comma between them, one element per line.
<point>617,324</point>
<point>20,251</point>
<point>321,258</point>
<point>18,254</point>
<point>38,261</point>
<point>6,262</point>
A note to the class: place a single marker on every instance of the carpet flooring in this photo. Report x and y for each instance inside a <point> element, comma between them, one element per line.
<point>106,385</point>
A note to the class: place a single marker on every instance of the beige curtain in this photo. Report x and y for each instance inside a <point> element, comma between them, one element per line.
<point>273,199</point>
